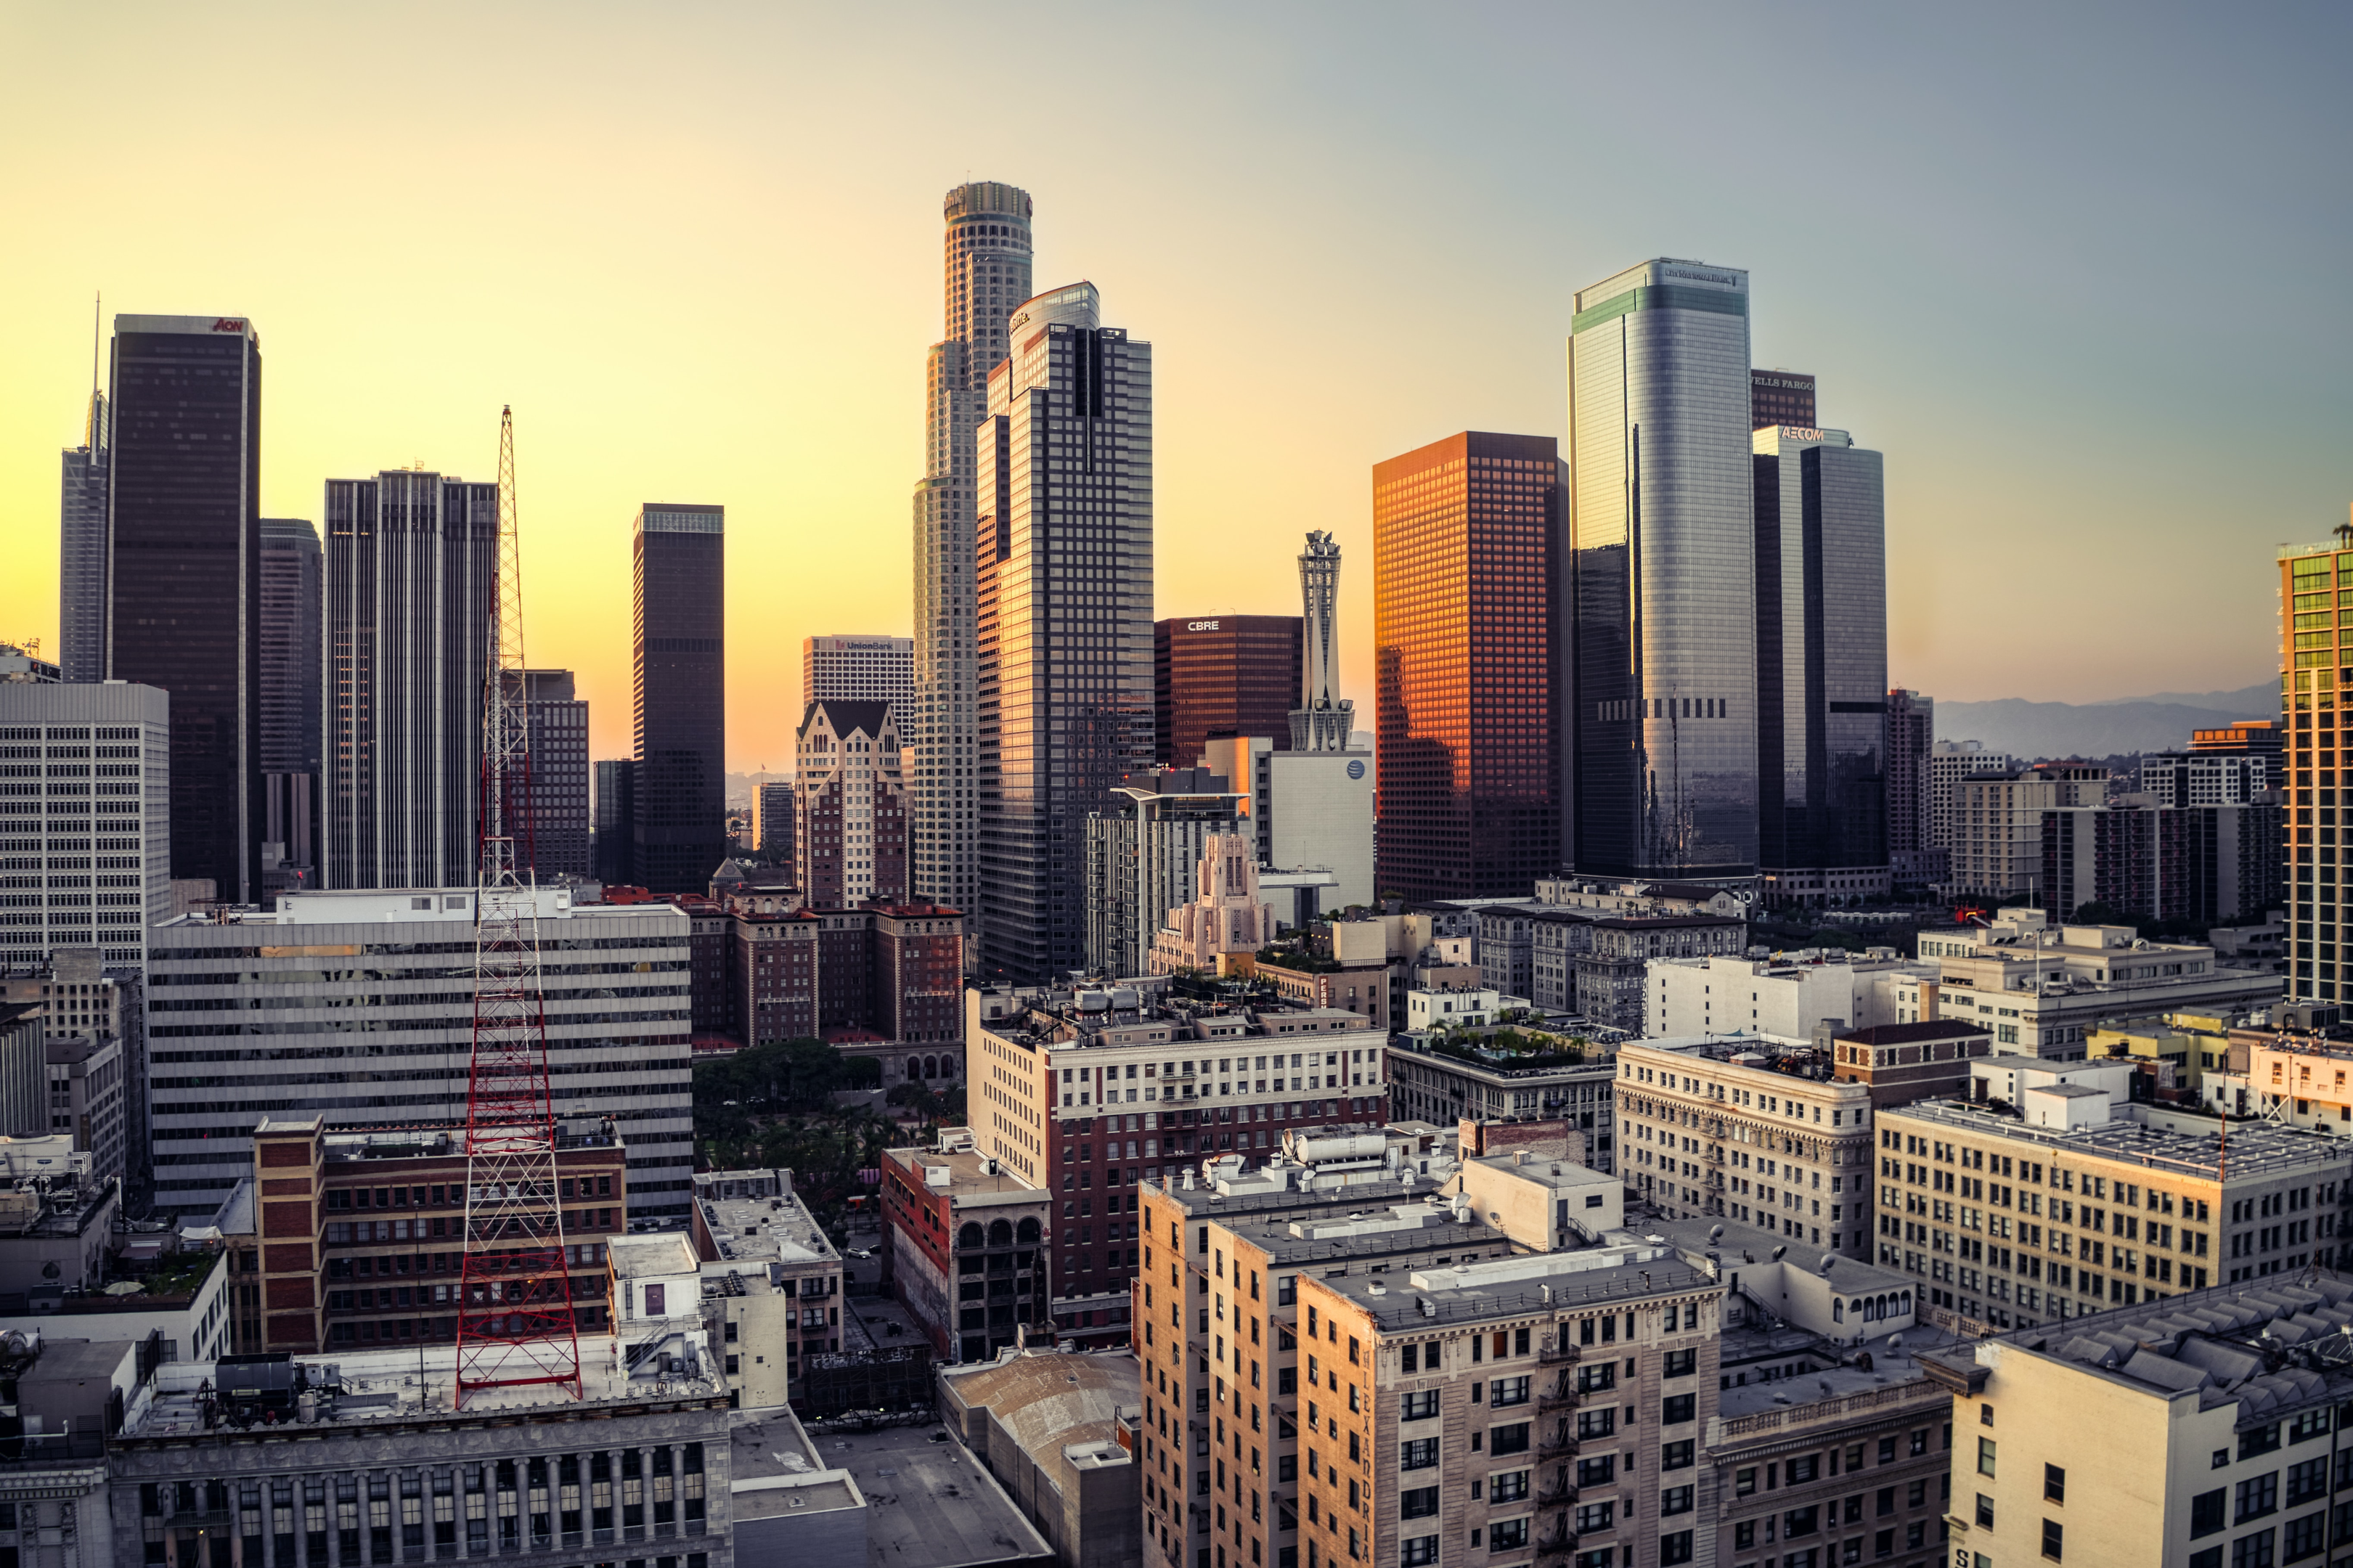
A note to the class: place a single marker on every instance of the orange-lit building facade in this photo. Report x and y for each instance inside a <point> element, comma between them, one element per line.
<point>2315,676</point>
<point>1467,561</point>
<point>1222,676</point>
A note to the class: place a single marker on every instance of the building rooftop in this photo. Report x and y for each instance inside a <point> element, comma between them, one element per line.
<point>935,1504</point>
<point>393,1389</point>
<point>2256,1148</point>
<point>775,1229</point>
<point>2271,1346</point>
<point>973,1180</point>
<point>1077,1404</point>
<point>1544,1282</point>
<point>774,1470</point>
<point>1372,1231</point>
<point>1913,1034</point>
<point>1206,1200</point>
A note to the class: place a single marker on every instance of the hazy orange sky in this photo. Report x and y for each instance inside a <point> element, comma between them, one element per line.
<point>2081,275</point>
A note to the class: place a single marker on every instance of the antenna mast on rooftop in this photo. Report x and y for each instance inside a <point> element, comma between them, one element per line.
<point>515,1322</point>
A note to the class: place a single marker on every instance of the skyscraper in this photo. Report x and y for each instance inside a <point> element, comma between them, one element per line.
<point>1665,699</point>
<point>2316,680</point>
<point>184,558</point>
<point>1466,563</point>
<point>986,274</point>
<point>81,553</point>
<point>679,783</point>
<point>558,801</point>
<point>292,714</point>
<point>858,669</point>
<point>1911,733</point>
<point>772,822</point>
<point>616,817</point>
<point>1780,397</point>
<point>412,563</point>
<point>1215,676</point>
<point>1822,667</point>
<point>105,753</point>
<point>1323,718</point>
<point>849,806</point>
<point>1064,600</point>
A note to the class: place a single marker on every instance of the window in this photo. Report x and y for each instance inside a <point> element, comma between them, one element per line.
<point>2302,1538</point>
<point>1420,1549</point>
<point>1681,1364</point>
<point>1597,1423</point>
<point>1985,1456</point>
<point>2307,1480</point>
<point>2207,1512</point>
<point>1420,1406</point>
<point>2251,1551</point>
<point>1508,1390</point>
<point>1422,1502</point>
<point>1676,1455</point>
<point>1595,1516</point>
<point>1804,1468</point>
<point>1599,1472</point>
<point>2055,1539</point>
<point>1801,1522</point>
<point>1418,1454</point>
<point>2054,1484</point>
<point>1675,1499</point>
<point>1677,1408</point>
<point>2259,1440</point>
<point>1507,1535</point>
<point>1675,1549</point>
<point>1595,1376</point>
<point>1511,1439</point>
<point>1509,1486</point>
<point>1985,1511</point>
<point>2257,1497</point>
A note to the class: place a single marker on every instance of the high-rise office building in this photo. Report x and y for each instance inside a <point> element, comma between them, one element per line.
<point>1323,718</point>
<point>2315,678</point>
<point>81,549</point>
<point>1215,676</point>
<point>986,274</point>
<point>1466,582</point>
<point>412,563</point>
<point>293,712</point>
<point>1950,762</point>
<point>772,822</point>
<point>617,816</point>
<point>1144,852</point>
<point>850,805</point>
<point>858,669</point>
<point>1665,666</point>
<point>680,787</point>
<point>1822,667</point>
<point>558,801</point>
<point>183,562</point>
<point>1064,596</point>
<point>1780,397</point>
<point>103,752</point>
<point>1911,740</point>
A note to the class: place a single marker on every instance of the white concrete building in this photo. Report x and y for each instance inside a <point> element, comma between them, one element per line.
<point>1310,811</point>
<point>1782,1000</point>
<point>1948,762</point>
<point>97,757</point>
<point>1443,1009</point>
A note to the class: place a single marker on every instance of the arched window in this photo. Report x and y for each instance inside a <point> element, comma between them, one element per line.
<point>930,1066</point>
<point>914,1068</point>
<point>1838,1310</point>
<point>1000,1233</point>
<point>1029,1232</point>
<point>970,1235</point>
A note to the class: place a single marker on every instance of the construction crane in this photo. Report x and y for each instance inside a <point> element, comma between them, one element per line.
<point>515,1322</point>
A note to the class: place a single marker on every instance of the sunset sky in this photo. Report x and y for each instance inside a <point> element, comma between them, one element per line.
<point>2082,275</point>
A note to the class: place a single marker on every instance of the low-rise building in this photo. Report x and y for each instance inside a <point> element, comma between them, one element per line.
<point>880,980</point>
<point>1900,1063</point>
<point>1059,1435</point>
<point>1783,999</point>
<point>966,1248</point>
<point>770,1283</point>
<point>2044,988</point>
<point>2200,1428</point>
<point>1458,1009</point>
<point>1466,1083</point>
<point>2065,1202</point>
<point>1744,1128</point>
<point>2181,1047</point>
<point>1587,961</point>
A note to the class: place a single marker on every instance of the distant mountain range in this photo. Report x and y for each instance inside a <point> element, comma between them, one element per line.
<point>2162,723</point>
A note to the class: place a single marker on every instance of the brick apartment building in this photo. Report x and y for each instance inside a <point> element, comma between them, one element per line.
<point>357,1233</point>
<point>881,980</point>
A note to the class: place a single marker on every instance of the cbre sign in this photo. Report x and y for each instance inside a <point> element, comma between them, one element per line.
<point>1201,625</point>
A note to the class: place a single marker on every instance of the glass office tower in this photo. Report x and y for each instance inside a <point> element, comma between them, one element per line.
<point>1466,554</point>
<point>1664,780</point>
<point>679,783</point>
<point>1822,667</point>
<point>184,551</point>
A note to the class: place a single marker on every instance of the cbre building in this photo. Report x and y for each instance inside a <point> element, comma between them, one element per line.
<point>358,1007</point>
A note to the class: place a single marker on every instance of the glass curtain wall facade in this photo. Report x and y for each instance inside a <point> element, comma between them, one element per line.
<point>2316,685</point>
<point>987,273</point>
<point>617,816</point>
<point>1064,592</point>
<point>679,783</point>
<point>412,564</point>
<point>183,548</point>
<point>1665,667</point>
<point>558,801</point>
<point>81,553</point>
<point>1466,562</point>
<point>1821,654</point>
<point>1223,676</point>
<point>292,674</point>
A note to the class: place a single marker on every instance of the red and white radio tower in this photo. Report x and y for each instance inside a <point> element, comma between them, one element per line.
<point>515,1322</point>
